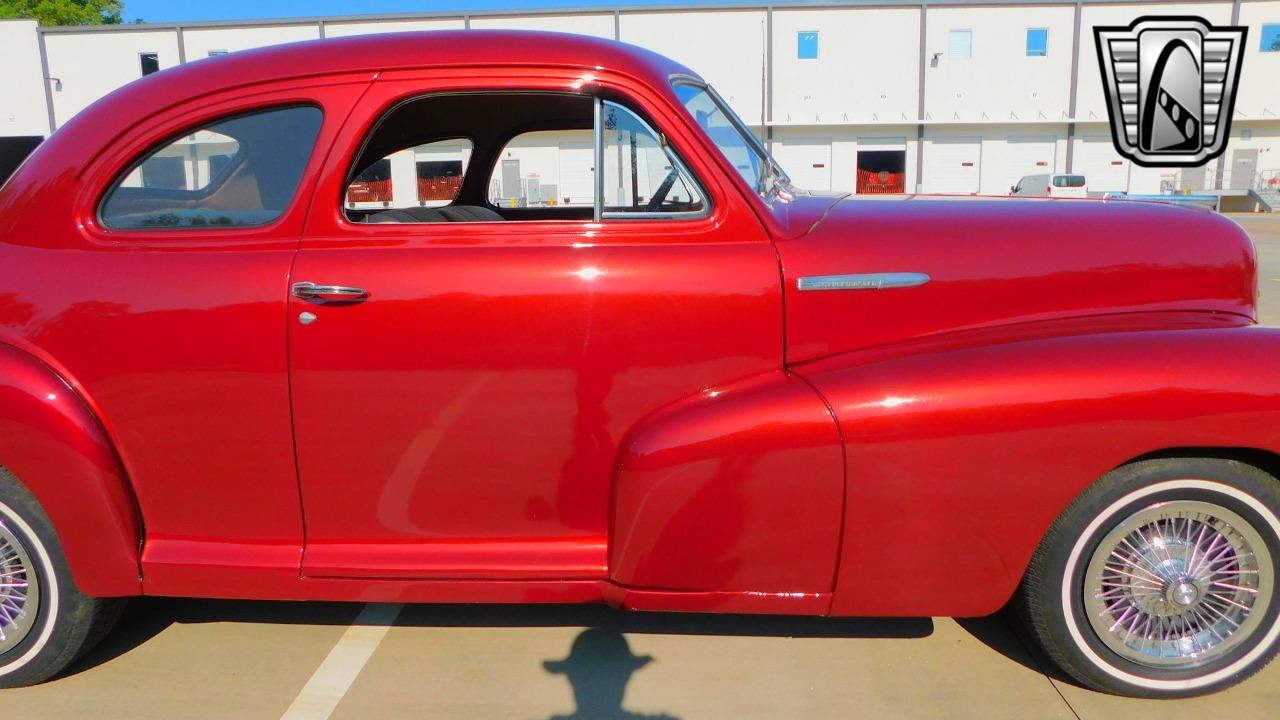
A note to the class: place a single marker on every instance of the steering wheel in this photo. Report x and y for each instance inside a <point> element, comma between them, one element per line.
<point>655,202</point>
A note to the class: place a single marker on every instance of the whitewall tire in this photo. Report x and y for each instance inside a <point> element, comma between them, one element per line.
<point>1160,580</point>
<point>45,621</point>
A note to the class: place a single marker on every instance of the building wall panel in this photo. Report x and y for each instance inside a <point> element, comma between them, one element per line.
<point>1260,79</point>
<point>725,47</point>
<point>23,111</point>
<point>92,64</point>
<point>866,69</point>
<point>952,163</point>
<point>999,82</point>
<point>347,28</point>
<point>200,42</point>
<point>807,161</point>
<point>600,25</point>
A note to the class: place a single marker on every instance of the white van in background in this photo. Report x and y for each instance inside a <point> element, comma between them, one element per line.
<point>1070,186</point>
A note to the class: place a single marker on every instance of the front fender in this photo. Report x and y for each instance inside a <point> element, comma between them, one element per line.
<point>963,449</point>
<point>736,490</point>
<point>58,451</point>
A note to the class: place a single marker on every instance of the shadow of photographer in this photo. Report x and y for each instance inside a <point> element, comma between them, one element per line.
<point>599,666</point>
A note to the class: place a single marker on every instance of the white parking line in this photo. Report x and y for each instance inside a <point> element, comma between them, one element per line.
<point>331,681</point>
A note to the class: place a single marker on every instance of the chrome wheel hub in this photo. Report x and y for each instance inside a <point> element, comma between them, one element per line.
<point>1184,593</point>
<point>19,591</point>
<point>1178,584</point>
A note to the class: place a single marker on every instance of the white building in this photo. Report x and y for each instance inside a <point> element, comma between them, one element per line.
<point>932,96</point>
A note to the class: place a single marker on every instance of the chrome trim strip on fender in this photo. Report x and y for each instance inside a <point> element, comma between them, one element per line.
<point>868,281</point>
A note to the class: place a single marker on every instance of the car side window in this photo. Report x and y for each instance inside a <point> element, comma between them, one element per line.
<point>641,173</point>
<point>544,156</point>
<point>545,168</point>
<point>240,171</point>
<point>427,175</point>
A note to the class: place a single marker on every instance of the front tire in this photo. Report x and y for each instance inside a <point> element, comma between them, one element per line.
<point>45,621</point>
<point>1160,580</point>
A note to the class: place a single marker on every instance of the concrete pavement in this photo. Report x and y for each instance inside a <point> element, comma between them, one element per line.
<point>196,659</point>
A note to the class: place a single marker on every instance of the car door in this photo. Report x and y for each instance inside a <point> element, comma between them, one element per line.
<point>166,303</point>
<point>458,416</point>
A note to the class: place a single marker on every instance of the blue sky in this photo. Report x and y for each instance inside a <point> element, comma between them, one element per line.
<point>166,11</point>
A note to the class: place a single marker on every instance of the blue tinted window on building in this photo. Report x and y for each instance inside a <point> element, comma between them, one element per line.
<point>1037,42</point>
<point>1270,38</point>
<point>960,44</point>
<point>807,45</point>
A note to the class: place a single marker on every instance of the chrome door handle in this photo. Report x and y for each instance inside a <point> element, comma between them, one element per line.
<point>312,291</point>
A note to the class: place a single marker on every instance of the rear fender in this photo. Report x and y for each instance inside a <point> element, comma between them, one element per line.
<point>58,451</point>
<point>963,450</point>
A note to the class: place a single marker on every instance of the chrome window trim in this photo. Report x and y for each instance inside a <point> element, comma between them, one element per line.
<point>725,109</point>
<point>647,215</point>
<point>598,147</point>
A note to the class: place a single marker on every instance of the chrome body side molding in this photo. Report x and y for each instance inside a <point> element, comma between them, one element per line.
<point>868,281</point>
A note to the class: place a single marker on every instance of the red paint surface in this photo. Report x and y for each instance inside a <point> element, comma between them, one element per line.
<point>739,488</point>
<point>645,413</point>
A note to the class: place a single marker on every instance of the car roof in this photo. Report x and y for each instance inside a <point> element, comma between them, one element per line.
<point>135,102</point>
<point>435,48</point>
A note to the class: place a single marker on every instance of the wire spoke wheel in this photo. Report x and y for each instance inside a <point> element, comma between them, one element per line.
<point>1178,585</point>
<point>19,591</point>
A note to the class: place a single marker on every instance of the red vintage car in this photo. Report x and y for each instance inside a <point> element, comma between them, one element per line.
<point>700,389</point>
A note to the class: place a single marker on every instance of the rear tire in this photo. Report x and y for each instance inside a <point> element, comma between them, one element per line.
<point>45,621</point>
<point>1160,580</point>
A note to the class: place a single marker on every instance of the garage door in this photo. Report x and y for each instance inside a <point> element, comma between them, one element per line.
<point>951,165</point>
<point>577,181</point>
<point>1026,156</point>
<point>1102,167</point>
<point>807,161</point>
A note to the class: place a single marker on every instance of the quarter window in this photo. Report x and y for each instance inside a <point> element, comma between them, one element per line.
<point>1270,38</point>
<point>237,172</point>
<point>960,44</point>
<point>641,174</point>
<point>807,45</point>
<point>1037,42</point>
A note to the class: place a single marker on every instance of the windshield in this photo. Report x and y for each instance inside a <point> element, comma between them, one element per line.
<point>1068,181</point>
<point>739,146</point>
